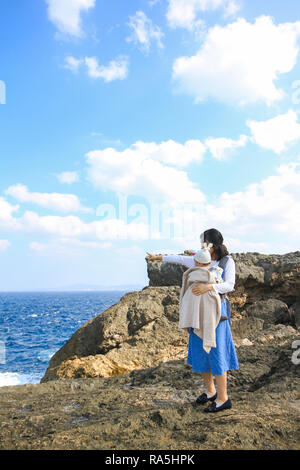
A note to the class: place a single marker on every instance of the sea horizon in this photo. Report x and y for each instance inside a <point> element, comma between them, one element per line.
<point>54,289</point>
<point>36,324</point>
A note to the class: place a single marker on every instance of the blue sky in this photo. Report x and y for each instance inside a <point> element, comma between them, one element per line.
<point>188,110</point>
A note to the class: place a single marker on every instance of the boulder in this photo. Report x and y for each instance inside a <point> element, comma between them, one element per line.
<point>295,313</point>
<point>165,274</point>
<point>246,327</point>
<point>141,330</point>
<point>271,311</point>
<point>258,276</point>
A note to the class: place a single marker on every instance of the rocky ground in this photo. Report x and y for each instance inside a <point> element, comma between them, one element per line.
<point>121,381</point>
<point>154,408</point>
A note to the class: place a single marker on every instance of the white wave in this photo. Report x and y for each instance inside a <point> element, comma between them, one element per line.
<point>9,378</point>
<point>45,356</point>
<point>14,378</point>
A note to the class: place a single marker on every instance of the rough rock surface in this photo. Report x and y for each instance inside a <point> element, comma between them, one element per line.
<point>258,277</point>
<point>121,381</point>
<point>154,408</point>
<point>141,330</point>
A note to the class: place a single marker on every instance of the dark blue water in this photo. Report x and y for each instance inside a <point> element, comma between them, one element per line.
<point>34,325</point>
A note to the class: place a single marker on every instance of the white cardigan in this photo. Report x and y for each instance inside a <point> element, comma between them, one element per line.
<point>200,312</point>
<point>189,262</point>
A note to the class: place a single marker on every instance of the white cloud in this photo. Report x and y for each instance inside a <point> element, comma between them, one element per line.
<point>143,170</point>
<point>85,244</point>
<point>66,245</point>
<point>7,220</point>
<point>276,133</point>
<point>6,209</point>
<point>36,246</point>
<point>68,226</point>
<point>68,177</point>
<point>222,147</point>
<point>73,64</point>
<point>72,227</point>
<point>117,69</point>
<point>269,207</point>
<point>238,245</point>
<point>151,3</point>
<point>240,62</point>
<point>263,216</point>
<point>184,13</point>
<point>4,244</point>
<point>66,15</point>
<point>53,201</point>
<point>231,8</point>
<point>144,31</point>
<point>171,152</point>
<point>272,204</point>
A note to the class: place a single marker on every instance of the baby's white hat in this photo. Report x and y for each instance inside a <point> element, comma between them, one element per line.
<point>203,256</point>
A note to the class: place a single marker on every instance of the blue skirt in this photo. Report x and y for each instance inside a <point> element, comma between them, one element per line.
<point>219,359</point>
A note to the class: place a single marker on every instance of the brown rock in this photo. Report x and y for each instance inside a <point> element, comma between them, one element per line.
<point>122,382</point>
<point>271,311</point>
<point>246,327</point>
<point>153,409</point>
<point>141,330</point>
<point>258,277</point>
<point>246,342</point>
<point>295,313</point>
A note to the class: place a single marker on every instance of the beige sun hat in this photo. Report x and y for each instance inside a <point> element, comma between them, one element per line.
<point>203,256</point>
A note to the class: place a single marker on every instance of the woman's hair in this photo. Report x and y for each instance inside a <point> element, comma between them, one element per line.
<point>215,237</point>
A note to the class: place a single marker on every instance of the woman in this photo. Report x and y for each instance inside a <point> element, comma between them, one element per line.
<point>223,357</point>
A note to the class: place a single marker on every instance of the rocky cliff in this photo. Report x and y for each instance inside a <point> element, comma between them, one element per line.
<point>122,382</point>
<point>153,408</point>
<point>141,330</point>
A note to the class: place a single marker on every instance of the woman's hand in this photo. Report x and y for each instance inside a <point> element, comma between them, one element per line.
<point>201,288</point>
<point>151,257</point>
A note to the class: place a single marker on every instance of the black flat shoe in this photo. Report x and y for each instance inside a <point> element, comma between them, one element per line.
<point>202,399</point>
<point>212,408</point>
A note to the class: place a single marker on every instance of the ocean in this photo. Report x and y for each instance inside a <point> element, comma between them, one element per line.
<point>34,325</point>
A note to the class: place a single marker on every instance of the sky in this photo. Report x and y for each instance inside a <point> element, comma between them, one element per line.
<point>132,127</point>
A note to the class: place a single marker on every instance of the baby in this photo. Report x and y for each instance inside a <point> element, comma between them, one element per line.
<point>202,313</point>
<point>202,258</point>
